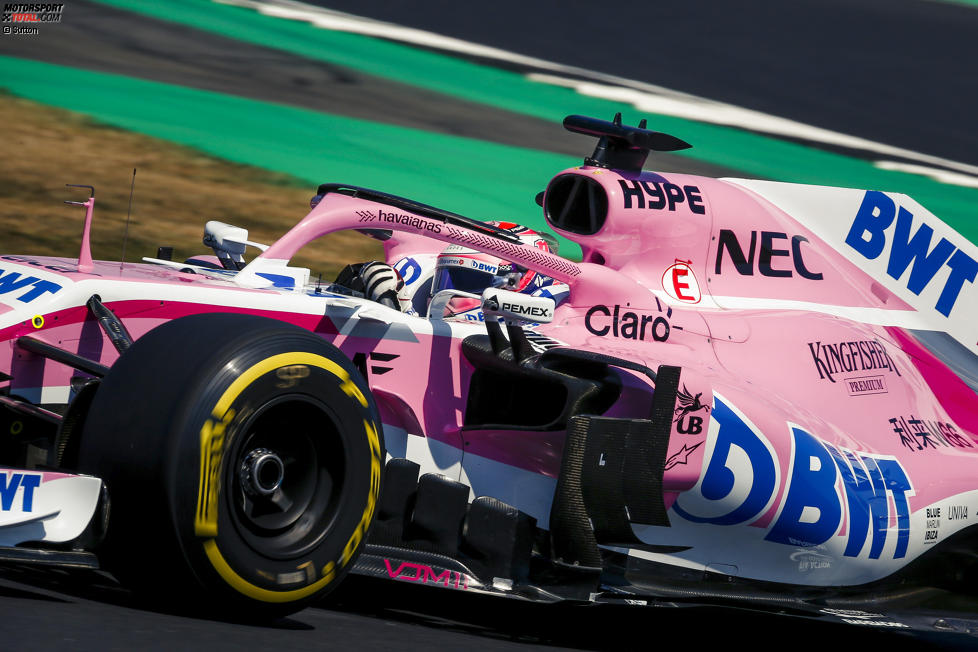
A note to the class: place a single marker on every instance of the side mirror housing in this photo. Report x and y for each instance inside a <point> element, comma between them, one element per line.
<point>514,307</point>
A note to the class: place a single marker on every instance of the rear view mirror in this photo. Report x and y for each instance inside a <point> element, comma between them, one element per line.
<point>516,307</point>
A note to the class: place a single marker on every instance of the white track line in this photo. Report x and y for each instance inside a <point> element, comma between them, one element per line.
<point>645,97</point>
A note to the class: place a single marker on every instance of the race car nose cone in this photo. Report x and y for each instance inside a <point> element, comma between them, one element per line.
<point>262,472</point>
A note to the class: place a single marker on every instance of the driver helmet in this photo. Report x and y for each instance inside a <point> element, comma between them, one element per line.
<point>469,270</point>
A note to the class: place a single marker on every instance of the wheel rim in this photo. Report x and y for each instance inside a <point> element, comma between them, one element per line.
<point>286,474</point>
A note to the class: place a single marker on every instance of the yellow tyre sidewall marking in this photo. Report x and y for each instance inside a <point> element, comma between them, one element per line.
<point>256,592</point>
<point>212,449</point>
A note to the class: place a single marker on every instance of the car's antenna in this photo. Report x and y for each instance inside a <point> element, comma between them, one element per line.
<point>125,236</point>
<point>85,253</point>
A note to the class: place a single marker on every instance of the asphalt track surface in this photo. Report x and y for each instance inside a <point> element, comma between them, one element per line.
<point>895,71</point>
<point>84,610</point>
<point>104,39</point>
<point>901,72</point>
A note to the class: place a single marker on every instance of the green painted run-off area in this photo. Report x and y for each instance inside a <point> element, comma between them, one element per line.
<point>479,179</point>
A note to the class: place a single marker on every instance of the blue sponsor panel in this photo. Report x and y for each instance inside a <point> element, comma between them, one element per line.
<point>742,464</point>
<point>10,483</point>
<point>811,512</point>
<point>25,288</point>
<point>278,280</point>
<point>867,479</point>
<point>741,479</point>
<point>409,269</point>
<point>909,249</point>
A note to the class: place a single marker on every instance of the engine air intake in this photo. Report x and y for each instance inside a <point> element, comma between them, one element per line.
<point>576,204</point>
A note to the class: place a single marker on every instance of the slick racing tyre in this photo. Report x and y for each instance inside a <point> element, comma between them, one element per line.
<point>243,460</point>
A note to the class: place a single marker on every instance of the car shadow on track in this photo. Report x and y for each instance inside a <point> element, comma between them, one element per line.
<point>60,585</point>
<point>48,582</point>
<point>428,614</point>
<point>603,627</point>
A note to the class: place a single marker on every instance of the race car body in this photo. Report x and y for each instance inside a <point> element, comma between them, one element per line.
<point>753,392</point>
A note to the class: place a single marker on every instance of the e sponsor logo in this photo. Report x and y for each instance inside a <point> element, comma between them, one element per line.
<point>680,283</point>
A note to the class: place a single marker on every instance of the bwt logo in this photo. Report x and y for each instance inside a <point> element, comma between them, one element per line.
<point>743,477</point>
<point>868,236</point>
<point>11,482</point>
<point>32,286</point>
<point>411,572</point>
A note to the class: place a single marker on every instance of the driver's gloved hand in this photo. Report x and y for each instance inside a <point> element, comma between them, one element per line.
<point>381,283</point>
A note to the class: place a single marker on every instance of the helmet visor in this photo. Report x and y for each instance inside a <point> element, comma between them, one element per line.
<point>461,278</point>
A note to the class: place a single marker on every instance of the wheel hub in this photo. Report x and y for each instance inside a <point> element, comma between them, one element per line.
<point>262,472</point>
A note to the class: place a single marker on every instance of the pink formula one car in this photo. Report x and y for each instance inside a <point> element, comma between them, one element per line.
<point>755,393</point>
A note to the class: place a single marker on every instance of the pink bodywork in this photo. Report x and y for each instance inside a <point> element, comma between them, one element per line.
<point>761,358</point>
